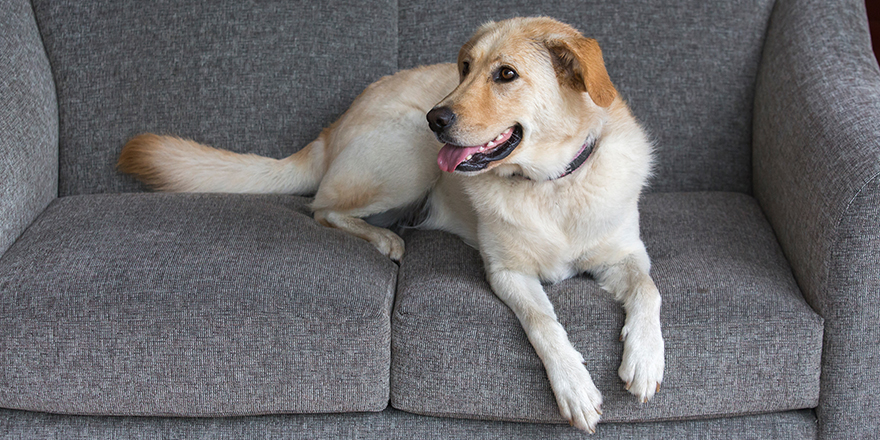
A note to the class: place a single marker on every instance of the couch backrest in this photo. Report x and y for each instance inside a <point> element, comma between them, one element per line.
<point>257,76</point>
<point>266,76</point>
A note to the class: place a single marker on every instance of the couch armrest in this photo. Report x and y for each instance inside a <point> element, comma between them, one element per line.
<point>28,122</point>
<point>816,163</point>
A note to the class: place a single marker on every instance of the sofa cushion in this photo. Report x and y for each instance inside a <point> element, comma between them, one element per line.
<point>740,339</point>
<point>687,68</point>
<point>192,305</point>
<point>263,77</point>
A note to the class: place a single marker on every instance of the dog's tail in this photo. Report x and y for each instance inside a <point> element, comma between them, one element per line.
<point>169,163</point>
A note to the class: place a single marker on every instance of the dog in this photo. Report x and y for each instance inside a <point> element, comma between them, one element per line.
<point>528,153</point>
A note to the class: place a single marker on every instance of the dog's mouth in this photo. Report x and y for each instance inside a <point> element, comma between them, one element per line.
<point>470,159</point>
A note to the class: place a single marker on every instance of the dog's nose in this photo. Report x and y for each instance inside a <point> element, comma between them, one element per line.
<point>439,118</point>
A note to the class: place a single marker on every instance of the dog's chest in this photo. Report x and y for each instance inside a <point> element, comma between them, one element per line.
<point>540,229</point>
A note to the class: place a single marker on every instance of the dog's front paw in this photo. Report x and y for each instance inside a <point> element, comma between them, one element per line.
<point>580,402</point>
<point>643,362</point>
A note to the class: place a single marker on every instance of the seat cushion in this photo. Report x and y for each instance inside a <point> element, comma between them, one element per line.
<point>192,305</point>
<point>740,339</point>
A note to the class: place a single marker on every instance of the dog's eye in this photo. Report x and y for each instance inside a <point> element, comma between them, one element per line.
<point>506,74</point>
<point>465,68</point>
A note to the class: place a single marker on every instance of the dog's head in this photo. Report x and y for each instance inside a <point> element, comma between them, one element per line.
<point>531,91</point>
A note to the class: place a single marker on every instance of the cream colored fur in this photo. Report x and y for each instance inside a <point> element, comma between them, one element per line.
<point>529,225</point>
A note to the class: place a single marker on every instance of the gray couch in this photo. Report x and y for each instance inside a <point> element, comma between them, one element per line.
<point>130,314</point>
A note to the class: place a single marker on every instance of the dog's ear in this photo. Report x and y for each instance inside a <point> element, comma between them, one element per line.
<point>579,64</point>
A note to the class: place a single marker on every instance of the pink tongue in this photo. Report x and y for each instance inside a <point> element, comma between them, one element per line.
<point>452,155</point>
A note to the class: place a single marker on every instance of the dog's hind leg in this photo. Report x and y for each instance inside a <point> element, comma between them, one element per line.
<point>386,242</point>
<point>344,202</point>
<point>389,167</point>
<point>381,156</point>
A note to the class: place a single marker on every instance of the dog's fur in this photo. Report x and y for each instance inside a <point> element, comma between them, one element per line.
<point>530,222</point>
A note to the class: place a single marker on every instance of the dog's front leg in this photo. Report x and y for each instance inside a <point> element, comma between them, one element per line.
<point>578,398</point>
<point>643,360</point>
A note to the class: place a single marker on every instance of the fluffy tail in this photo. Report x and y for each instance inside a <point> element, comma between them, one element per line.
<point>169,163</point>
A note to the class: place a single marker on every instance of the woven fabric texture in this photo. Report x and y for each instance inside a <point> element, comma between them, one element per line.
<point>28,123</point>
<point>817,176</point>
<point>192,305</point>
<point>393,425</point>
<point>263,77</point>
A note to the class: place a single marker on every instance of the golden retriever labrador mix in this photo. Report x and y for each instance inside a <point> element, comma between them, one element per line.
<point>528,154</point>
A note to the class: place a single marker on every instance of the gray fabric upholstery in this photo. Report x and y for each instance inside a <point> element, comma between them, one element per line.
<point>193,305</point>
<point>686,67</point>
<point>28,122</point>
<point>264,87</point>
<point>739,337</point>
<point>391,425</point>
<point>197,305</point>
<point>817,162</point>
<point>265,77</point>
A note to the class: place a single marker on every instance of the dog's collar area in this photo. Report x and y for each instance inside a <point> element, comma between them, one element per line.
<point>581,158</point>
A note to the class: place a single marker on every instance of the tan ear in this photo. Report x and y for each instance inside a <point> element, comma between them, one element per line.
<point>579,64</point>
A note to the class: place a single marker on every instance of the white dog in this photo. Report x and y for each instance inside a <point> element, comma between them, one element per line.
<point>531,156</point>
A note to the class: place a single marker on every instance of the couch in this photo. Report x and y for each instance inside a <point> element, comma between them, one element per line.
<point>131,314</point>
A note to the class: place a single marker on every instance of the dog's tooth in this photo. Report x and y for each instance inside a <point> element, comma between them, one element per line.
<point>500,136</point>
<point>470,156</point>
<point>482,149</point>
<point>490,145</point>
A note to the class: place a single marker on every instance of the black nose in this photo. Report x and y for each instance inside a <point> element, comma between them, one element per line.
<point>439,118</point>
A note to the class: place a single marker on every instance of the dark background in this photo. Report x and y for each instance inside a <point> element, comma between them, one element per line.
<point>874,19</point>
